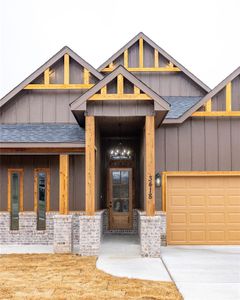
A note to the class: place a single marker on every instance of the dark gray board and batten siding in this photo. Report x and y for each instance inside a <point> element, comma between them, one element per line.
<point>29,163</point>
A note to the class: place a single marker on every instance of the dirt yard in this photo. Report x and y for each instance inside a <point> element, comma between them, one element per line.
<point>46,276</point>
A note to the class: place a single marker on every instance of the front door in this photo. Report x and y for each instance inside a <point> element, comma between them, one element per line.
<point>120,198</point>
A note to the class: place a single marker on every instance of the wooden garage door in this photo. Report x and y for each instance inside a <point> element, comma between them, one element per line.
<point>203,210</point>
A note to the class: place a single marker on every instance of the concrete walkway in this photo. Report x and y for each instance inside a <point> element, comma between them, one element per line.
<point>120,256</point>
<point>205,272</point>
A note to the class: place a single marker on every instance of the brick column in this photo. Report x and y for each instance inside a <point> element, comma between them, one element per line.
<point>63,232</point>
<point>150,232</point>
<point>90,234</point>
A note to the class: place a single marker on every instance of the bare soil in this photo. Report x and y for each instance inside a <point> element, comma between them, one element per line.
<point>51,276</point>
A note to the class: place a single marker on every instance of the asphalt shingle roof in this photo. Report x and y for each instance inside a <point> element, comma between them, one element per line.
<point>41,133</point>
<point>179,105</point>
<point>73,133</point>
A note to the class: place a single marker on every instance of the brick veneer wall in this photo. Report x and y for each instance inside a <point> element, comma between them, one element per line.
<point>27,233</point>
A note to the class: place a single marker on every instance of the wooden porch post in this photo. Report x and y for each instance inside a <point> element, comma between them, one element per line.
<point>150,165</point>
<point>90,165</point>
<point>64,184</point>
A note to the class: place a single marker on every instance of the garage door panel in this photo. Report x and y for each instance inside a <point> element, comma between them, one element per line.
<point>215,200</point>
<point>196,183</point>
<point>197,236</point>
<point>233,217</point>
<point>199,201</point>
<point>178,218</point>
<point>216,236</point>
<point>180,183</point>
<point>216,218</point>
<point>234,200</point>
<point>234,236</point>
<point>199,218</point>
<point>206,211</point>
<point>177,201</point>
<point>178,236</point>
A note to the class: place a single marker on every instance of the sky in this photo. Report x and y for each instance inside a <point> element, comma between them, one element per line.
<point>203,35</point>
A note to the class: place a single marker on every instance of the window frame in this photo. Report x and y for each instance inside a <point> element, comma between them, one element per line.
<point>36,198</point>
<point>21,175</point>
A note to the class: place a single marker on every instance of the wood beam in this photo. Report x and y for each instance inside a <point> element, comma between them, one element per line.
<point>136,90</point>
<point>216,114</point>
<point>150,165</point>
<point>86,75</point>
<point>156,58</point>
<point>90,165</point>
<point>229,97</point>
<point>103,97</point>
<point>66,69</point>
<point>58,86</point>
<point>164,184</point>
<point>120,84</point>
<point>104,90</point>
<point>208,106</point>
<point>47,76</point>
<point>148,69</point>
<point>125,63</point>
<point>64,184</point>
<point>40,150</point>
<point>141,52</point>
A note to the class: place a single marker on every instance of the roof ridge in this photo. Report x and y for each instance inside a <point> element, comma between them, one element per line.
<point>161,51</point>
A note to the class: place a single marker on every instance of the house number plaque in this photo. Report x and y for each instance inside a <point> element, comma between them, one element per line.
<point>150,187</point>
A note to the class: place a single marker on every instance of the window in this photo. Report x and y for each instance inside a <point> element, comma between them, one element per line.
<point>41,196</point>
<point>15,196</point>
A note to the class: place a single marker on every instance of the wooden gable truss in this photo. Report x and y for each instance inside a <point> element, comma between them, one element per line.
<point>227,112</point>
<point>120,94</point>
<point>169,67</point>
<point>47,85</point>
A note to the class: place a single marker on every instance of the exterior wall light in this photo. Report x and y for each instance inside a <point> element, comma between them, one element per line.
<point>158,180</point>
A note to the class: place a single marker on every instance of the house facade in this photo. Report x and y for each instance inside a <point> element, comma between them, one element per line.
<point>138,146</point>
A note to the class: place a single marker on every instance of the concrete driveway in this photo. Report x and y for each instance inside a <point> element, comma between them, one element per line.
<point>205,272</point>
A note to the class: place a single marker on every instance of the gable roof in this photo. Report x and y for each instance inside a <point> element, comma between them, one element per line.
<point>212,93</point>
<point>161,51</point>
<point>164,105</point>
<point>49,63</point>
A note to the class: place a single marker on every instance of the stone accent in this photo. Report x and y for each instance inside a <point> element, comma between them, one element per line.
<point>63,234</point>
<point>27,233</point>
<point>106,229</point>
<point>76,228</point>
<point>150,233</point>
<point>90,234</point>
<point>163,227</point>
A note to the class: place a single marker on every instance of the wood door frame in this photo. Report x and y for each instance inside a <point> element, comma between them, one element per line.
<point>109,197</point>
